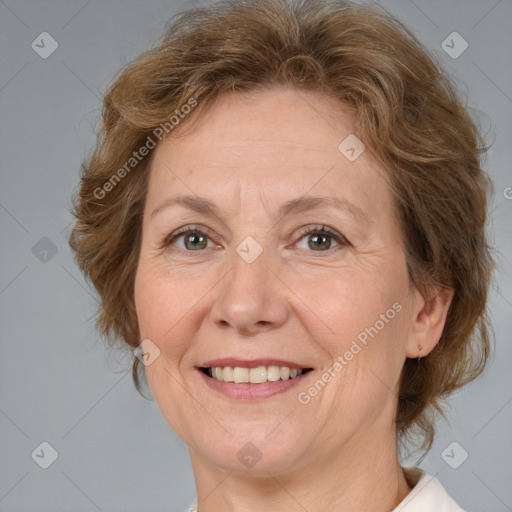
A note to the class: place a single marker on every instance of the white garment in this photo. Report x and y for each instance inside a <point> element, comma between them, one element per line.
<point>428,495</point>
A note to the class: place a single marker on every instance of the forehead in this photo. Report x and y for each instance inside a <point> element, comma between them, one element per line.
<point>269,123</point>
<point>280,142</point>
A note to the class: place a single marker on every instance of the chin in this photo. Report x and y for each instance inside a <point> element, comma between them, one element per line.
<point>253,453</point>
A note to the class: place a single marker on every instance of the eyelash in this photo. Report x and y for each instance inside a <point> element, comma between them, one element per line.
<point>308,230</point>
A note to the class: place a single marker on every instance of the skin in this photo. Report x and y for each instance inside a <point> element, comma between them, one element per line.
<point>249,154</point>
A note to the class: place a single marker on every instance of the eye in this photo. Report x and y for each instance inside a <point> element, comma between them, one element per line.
<point>189,238</point>
<point>319,238</point>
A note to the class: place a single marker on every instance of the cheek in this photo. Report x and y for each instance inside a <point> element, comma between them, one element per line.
<point>163,303</point>
<point>161,307</point>
<point>364,315</point>
<point>350,304</point>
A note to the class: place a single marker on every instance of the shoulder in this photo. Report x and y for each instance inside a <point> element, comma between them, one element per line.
<point>428,495</point>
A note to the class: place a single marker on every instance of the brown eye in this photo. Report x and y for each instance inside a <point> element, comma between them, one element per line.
<point>320,239</point>
<point>319,242</point>
<point>188,239</point>
<point>195,241</point>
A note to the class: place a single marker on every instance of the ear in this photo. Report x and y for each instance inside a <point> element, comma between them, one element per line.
<point>428,321</point>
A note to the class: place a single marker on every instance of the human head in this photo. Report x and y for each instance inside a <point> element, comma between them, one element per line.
<point>405,111</point>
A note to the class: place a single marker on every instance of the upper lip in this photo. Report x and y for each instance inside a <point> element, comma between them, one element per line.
<point>251,363</point>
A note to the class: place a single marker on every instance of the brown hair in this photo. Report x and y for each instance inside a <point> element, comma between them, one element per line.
<point>408,115</point>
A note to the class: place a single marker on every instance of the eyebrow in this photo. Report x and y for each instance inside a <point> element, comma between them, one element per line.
<point>206,207</point>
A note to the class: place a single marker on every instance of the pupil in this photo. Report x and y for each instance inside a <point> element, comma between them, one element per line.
<point>195,240</point>
<point>321,241</point>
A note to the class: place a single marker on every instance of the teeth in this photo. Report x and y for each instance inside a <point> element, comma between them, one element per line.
<point>240,374</point>
<point>227,374</point>
<point>254,375</point>
<point>258,375</point>
<point>273,373</point>
<point>285,372</point>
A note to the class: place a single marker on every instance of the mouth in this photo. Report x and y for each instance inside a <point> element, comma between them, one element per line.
<point>252,380</point>
<point>254,375</point>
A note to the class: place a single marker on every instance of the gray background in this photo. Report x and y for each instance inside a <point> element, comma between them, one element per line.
<point>57,382</point>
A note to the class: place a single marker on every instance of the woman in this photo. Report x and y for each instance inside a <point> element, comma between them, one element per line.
<point>284,217</point>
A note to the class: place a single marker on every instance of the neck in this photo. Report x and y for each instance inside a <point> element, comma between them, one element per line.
<point>368,478</point>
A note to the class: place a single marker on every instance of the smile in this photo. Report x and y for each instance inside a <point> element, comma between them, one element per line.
<point>251,380</point>
<point>258,375</point>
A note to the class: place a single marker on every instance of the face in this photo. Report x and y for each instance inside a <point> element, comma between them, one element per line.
<point>267,279</point>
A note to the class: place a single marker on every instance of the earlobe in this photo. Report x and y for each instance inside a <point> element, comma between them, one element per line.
<point>429,321</point>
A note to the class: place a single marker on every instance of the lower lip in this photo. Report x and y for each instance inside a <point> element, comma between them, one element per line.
<point>247,391</point>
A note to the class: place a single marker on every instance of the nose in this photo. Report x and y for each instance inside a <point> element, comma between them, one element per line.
<point>250,299</point>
